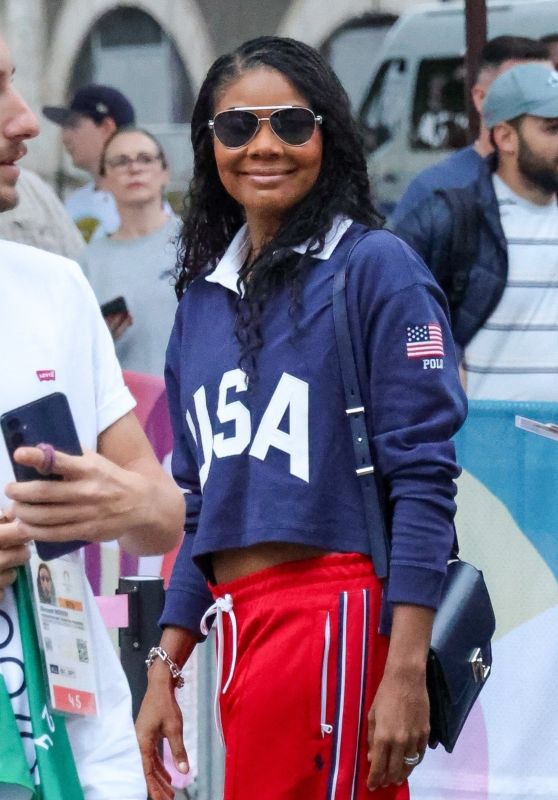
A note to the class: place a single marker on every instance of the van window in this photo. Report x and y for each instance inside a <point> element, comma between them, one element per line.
<point>384,107</point>
<point>439,117</point>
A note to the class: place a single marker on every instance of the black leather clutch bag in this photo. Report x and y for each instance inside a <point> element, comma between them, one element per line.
<point>460,657</point>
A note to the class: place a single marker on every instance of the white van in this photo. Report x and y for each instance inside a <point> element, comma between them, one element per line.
<point>414,112</point>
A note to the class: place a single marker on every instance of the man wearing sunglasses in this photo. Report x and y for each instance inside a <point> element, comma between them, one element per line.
<point>93,115</point>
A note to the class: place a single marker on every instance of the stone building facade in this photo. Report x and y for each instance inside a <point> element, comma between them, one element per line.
<point>58,44</point>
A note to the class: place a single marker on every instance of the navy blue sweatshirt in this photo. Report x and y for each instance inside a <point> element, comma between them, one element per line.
<point>273,462</point>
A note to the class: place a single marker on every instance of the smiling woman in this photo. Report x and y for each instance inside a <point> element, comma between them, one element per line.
<point>266,175</point>
<point>312,701</point>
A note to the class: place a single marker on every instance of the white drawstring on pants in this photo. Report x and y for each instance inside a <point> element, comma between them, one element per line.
<point>221,605</point>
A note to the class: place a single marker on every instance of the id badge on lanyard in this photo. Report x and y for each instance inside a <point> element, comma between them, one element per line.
<point>64,627</point>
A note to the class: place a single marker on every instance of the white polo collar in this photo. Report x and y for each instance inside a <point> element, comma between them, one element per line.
<point>226,271</point>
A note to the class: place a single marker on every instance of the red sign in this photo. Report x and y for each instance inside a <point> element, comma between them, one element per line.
<point>74,701</point>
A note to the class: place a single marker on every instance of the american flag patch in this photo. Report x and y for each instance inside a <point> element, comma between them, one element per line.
<point>425,341</point>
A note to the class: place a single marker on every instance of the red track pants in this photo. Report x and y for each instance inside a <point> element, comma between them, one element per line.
<point>300,660</point>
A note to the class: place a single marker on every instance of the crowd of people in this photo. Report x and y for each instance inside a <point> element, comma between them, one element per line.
<point>233,303</point>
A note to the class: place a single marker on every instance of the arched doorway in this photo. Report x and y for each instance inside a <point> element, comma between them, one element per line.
<point>84,46</point>
<point>127,48</point>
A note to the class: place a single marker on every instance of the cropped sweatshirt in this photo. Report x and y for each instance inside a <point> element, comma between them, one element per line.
<point>271,459</point>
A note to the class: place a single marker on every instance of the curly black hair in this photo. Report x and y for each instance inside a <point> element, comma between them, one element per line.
<point>212,216</point>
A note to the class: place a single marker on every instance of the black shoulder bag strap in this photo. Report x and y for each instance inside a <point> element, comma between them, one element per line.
<point>375,522</point>
<point>373,508</point>
<point>464,212</point>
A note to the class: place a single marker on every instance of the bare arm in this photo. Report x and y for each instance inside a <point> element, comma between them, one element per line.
<point>398,721</point>
<point>160,716</point>
<point>160,523</point>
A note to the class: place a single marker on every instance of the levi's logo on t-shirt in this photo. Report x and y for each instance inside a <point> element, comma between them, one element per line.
<point>46,375</point>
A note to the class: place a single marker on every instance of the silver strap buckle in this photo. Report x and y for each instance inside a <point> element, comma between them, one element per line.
<point>365,471</point>
<point>481,671</point>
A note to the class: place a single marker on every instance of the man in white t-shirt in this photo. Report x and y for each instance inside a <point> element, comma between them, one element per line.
<point>53,338</point>
<point>92,116</point>
<point>494,248</point>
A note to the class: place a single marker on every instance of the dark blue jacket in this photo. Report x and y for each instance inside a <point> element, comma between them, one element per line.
<point>458,169</point>
<point>428,229</point>
<point>274,461</point>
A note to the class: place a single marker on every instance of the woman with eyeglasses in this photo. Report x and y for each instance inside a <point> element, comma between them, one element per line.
<point>312,700</point>
<point>131,270</point>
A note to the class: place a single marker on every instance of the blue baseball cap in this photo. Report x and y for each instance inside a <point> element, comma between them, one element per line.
<point>97,102</point>
<point>524,89</point>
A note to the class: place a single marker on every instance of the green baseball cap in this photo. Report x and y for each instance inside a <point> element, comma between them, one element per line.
<point>525,89</point>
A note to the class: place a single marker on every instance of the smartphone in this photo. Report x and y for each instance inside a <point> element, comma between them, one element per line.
<point>113,307</point>
<point>48,419</point>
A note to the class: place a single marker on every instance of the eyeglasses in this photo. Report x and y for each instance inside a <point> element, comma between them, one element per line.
<point>123,162</point>
<point>237,126</point>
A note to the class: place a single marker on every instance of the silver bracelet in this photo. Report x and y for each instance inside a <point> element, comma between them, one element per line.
<point>158,652</point>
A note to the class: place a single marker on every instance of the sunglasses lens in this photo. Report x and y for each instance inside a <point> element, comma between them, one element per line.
<point>293,125</point>
<point>235,128</point>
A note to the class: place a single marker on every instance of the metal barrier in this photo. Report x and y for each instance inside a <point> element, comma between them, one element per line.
<point>145,604</point>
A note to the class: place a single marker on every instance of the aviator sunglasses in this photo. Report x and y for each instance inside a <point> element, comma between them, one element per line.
<point>236,127</point>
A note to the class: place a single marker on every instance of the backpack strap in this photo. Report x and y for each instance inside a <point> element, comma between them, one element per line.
<point>464,212</point>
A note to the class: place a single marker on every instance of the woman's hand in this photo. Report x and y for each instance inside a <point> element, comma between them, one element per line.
<point>160,718</point>
<point>399,718</point>
<point>13,552</point>
<point>398,727</point>
<point>96,501</point>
